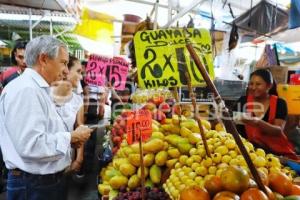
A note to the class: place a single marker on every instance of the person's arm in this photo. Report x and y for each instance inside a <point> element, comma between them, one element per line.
<point>86,94</point>
<point>80,116</point>
<point>266,127</point>
<point>279,122</point>
<point>76,164</point>
<point>101,105</point>
<point>26,119</point>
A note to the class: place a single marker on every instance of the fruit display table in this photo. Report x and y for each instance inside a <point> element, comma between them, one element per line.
<point>176,164</point>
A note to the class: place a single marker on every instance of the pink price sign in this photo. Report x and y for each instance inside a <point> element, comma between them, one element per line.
<point>101,70</point>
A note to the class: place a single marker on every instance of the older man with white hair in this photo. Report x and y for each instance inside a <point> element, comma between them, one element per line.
<point>35,142</point>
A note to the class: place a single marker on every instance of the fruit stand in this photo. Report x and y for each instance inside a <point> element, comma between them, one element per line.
<point>162,153</point>
<point>175,147</point>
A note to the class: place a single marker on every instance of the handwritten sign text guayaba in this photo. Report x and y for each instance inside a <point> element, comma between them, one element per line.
<point>163,59</point>
<point>100,70</point>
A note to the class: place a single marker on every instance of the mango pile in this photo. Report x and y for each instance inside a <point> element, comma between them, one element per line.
<point>177,145</point>
<point>195,167</point>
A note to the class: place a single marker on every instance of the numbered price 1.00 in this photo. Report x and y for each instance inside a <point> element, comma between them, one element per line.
<point>140,125</point>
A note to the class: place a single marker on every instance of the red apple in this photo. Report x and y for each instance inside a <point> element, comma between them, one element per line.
<point>114,150</point>
<point>122,123</point>
<point>117,139</point>
<point>164,107</point>
<point>176,109</point>
<point>121,132</point>
<point>149,106</point>
<point>113,131</point>
<point>118,119</point>
<point>158,100</point>
<point>117,126</point>
<point>158,115</point>
<point>126,113</point>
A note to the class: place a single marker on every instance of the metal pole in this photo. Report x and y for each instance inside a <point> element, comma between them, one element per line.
<point>38,21</point>
<point>30,24</point>
<point>184,11</point>
<point>155,15</point>
<point>51,27</point>
<point>169,10</point>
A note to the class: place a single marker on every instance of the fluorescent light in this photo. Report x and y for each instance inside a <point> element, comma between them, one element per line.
<point>19,17</point>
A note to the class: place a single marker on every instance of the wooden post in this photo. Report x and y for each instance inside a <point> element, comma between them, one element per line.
<point>196,117</point>
<point>175,94</point>
<point>227,120</point>
<point>142,165</point>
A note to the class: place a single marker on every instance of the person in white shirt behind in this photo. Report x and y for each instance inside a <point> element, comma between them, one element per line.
<point>35,141</point>
<point>72,112</point>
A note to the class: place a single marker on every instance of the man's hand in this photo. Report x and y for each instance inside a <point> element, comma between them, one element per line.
<point>80,135</point>
<point>75,165</point>
<point>61,92</point>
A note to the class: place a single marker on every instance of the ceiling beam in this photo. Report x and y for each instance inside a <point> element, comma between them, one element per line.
<point>159,5</point>
<point>28,6</point>
<point>184,11</point>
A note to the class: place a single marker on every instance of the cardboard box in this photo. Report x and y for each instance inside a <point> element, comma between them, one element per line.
<point>291,94</point>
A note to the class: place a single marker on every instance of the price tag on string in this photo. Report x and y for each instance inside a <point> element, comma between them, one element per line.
<point>101,70</point>
<point>162,57</point>
<point>139,124</point>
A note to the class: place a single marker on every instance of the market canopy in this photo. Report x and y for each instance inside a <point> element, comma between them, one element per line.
<point>46,5</point>
<point>264,18</point>
<point>287,36</point>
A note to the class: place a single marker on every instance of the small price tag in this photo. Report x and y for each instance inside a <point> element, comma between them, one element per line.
<point>139,124</point>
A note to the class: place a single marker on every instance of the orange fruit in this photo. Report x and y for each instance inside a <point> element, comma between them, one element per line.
<point>281,183</point>
<point>213,185</point>
<point>194,193</point>
<point>295,190</point>
<point>254,194</point>
<point>235,179</point>
<point>226,195</point>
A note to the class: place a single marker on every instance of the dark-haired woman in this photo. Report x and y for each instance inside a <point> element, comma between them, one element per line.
<point>266,115</point>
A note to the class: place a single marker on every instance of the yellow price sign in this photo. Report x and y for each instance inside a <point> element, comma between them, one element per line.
<point>162,57</point>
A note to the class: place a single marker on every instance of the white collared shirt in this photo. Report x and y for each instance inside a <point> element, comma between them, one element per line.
<point>33,136</point>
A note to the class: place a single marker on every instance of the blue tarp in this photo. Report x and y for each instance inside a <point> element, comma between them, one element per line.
<point>294,18</point>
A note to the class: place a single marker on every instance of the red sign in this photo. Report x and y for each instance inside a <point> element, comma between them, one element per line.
<point>101,70</point>
<point>139,124</point>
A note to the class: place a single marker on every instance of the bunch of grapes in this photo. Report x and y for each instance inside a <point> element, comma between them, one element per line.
<point>150,194</point>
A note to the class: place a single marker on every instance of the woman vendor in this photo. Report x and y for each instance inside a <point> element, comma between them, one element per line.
<point>265,116</point>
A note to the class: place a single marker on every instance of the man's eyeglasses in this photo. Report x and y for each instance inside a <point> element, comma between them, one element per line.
<point>20,57</point>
